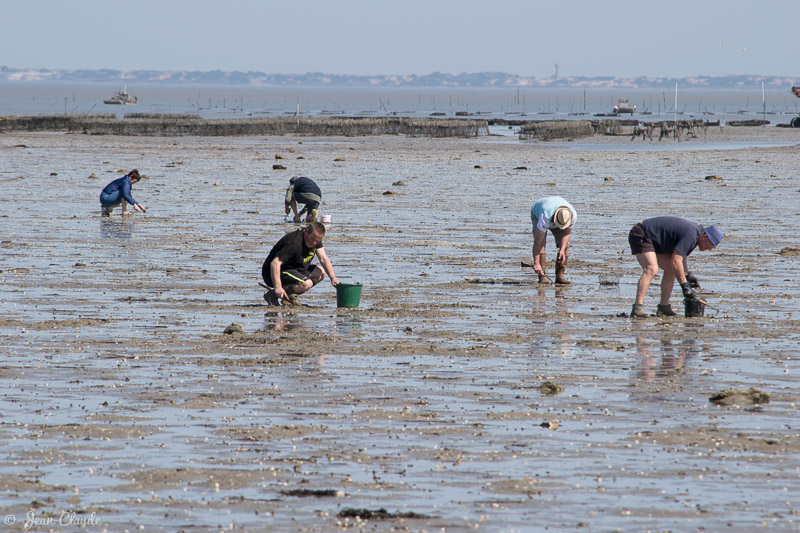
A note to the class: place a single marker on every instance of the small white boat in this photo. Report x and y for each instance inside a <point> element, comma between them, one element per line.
<point>623,106</point>
<point>121,98</point>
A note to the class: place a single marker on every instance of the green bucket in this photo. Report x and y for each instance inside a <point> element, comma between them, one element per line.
<point>348,294</point>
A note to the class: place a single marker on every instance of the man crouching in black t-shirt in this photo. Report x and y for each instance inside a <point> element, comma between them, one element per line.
<point>288,269</point>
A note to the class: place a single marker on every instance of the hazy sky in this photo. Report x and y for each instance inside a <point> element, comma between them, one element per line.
<point>677,38</point>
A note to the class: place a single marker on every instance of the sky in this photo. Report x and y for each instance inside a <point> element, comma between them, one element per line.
<point>679,38</point>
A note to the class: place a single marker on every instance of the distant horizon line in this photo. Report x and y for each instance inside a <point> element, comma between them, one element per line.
<point>6,68</point>
<point>484,79</point>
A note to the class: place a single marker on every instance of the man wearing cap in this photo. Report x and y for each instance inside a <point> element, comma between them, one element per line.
<point>557,215</point>
<point>304,191</point>
<point>666,242</point>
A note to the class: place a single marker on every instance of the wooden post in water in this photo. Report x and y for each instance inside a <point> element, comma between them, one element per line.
<point>763,103</point>
<point>676,109</point>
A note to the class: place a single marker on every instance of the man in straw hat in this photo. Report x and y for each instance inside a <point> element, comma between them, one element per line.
<point>557,215</point>
<point>666,242</point>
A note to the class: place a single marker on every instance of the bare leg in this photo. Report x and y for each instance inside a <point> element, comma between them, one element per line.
<point>543,262</point>
<point>124,207</point>
<point>667,279</point>
<point>314,278</point>
<point>649,264</point>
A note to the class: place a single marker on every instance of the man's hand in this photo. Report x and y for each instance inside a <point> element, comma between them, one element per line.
<point>335,281</point>
<point>280,293</point>
<point>688,293</point>
<point>693,281</point>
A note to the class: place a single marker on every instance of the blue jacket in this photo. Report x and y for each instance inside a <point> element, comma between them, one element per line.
<point>123,184</point>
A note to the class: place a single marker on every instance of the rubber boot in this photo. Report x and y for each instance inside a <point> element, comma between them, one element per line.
<point>271,298</point>
<point>560,268</point>
<point>637,311</point>
<point>665,310</point>
<point>543,262</point>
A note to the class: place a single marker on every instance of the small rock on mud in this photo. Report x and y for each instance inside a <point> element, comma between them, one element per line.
<point>234,327</point>
<point>550,388</point>
<point>750,396</point>
<point>383,514</point>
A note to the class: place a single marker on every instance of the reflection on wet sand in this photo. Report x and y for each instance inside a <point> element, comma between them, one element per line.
<point>664,358</point>
<point>116,228</point>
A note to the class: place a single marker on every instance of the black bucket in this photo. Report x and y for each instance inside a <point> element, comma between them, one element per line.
<point>693,307</point>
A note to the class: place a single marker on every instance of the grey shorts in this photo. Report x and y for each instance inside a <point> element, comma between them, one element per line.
<point>311,201</point>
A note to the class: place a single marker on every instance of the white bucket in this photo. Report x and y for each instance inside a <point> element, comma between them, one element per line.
<point>325,219</point>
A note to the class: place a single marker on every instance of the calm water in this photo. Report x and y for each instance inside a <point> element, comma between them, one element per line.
<point>234,102</point>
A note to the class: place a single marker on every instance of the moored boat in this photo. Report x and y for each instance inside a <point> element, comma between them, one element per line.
<point>623,106</point>
<point>121,98</point>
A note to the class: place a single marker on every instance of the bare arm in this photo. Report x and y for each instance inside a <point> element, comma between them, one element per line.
<point>327,266</point>
<point>275,270</point>
<point>678,263</point>
<point>562,252</point>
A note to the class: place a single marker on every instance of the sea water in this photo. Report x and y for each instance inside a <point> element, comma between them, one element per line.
<point>217,101</point>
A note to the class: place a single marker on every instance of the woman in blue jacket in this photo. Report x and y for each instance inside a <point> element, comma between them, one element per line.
<point>119,192</point>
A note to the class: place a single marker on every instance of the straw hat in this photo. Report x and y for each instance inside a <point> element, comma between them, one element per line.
<point>562,218</point>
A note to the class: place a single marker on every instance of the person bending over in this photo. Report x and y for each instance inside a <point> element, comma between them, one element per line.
<point>304,191</point>
<point>665,242</point>
<point>557,215</point>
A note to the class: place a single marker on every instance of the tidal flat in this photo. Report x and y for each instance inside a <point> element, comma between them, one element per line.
<point>124,406</point>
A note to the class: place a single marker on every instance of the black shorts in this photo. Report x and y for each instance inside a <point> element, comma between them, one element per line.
<point>288,277</point>
<point>639,241</point>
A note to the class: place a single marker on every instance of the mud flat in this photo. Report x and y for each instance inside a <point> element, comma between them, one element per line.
<point>442,403</point>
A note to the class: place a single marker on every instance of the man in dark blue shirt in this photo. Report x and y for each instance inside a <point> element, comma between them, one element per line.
<point>305,191</point>
<point>666,242</point>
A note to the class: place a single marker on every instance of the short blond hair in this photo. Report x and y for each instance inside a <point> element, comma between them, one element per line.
<point>317,227</point>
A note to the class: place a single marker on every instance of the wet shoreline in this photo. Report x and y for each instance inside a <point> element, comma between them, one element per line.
<point>123,396</point>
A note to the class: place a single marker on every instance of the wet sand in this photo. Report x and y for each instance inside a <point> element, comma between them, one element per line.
<point>124,402</point>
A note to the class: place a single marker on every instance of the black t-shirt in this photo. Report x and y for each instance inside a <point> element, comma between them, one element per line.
<point>672,234</point>
<point>292,251</point>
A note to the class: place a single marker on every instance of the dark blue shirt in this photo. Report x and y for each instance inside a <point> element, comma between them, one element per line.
<point>306,185</point>
<point>672,234</point>
<point>123,184</point>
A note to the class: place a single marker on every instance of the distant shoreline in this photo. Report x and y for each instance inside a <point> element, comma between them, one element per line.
<point>434,80</point>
